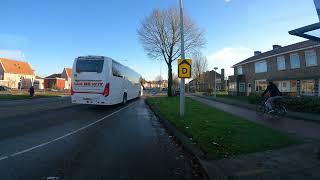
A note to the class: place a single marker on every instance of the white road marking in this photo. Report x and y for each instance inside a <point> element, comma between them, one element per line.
<point>64,136</point>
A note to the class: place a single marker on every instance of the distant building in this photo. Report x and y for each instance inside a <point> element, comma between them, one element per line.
<point>293,68</point>
<point>155,84</point>
<point>54,81</point>
<point>13,72</point>
<point>206,82</point>
<point>38,83</point>
<point>67,75</point>
<point>59,81</point>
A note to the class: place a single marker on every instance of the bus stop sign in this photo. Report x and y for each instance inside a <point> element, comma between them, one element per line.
<point>184,68</point>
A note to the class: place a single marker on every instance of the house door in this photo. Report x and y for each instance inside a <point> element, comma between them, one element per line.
<point>249,89</point>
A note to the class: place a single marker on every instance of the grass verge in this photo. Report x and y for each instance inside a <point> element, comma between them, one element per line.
<point>218,133</point>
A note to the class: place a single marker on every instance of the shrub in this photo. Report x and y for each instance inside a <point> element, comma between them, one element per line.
<point>255,99</point>
<point>303,104</point>
<point>209,91</point>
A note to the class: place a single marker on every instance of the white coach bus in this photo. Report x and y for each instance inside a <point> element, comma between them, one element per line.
<point>101,80</point>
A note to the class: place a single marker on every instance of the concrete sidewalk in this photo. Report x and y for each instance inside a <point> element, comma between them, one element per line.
<point>297,115</point>
<point>294,162</point>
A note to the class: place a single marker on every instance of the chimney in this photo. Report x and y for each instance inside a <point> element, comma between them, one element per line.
<point>222,73</point>
<point>257,52</point>
<point>274,47</point>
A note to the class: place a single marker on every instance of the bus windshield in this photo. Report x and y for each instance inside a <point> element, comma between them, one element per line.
<point>89,66</point>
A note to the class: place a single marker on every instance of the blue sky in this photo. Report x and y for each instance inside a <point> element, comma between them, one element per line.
<point>50,34</point>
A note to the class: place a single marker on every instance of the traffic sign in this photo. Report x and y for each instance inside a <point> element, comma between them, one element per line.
<point>184,68</point>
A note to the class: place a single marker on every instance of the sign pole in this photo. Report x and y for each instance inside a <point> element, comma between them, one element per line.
<point>182,81</point>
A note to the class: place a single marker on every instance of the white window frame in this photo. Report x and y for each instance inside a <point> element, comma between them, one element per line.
<point>281,59</point>
<point>232,86</point>
<point>288,88</point>
<point>239,70</point>
<point>256,82</point>
<point>291,55</point>
<point>243,84</point>
<point>260,62</point>
<point>301,90</point>
<point>305,55</point>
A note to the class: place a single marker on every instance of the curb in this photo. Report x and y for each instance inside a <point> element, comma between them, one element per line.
<point>183,139</point>
<point>289,114</point>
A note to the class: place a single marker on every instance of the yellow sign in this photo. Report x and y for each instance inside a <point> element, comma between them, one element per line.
<point>184,68</point>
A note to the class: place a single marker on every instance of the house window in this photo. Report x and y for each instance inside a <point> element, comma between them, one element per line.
<point>278,84</point>
<point>240,70</point>
<point>232,86</point>
<point>261,85</point>
<point>281,63</point>
<point>293,85</point>
<point>311,58</point>
<point>261,66</point>
<point>295,61</point>
<point>285,86</point>
<point>307,87</point>
<point>242,87</point>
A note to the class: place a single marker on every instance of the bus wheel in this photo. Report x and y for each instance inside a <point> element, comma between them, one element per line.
<point>124,100</point>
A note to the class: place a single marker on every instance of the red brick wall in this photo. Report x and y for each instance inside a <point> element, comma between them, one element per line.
<point>58,83</point>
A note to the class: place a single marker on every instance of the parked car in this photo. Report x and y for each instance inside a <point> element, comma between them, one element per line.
<point>176,92</point>
<point>4,88</point>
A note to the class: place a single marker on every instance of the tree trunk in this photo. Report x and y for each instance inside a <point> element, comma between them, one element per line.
<point>169,80</point>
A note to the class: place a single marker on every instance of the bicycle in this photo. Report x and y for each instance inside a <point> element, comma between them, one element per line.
<point>278,107</point>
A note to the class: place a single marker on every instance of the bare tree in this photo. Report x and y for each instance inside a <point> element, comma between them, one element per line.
<point>142,82</point>
<point>199,66</point>
<point>160,36</point>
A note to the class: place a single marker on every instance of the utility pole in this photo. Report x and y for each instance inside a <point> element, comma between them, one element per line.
<point>182,81</point>
<point>215,82</point>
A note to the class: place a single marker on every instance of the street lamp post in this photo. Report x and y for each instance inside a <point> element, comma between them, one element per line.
<point>215,82</point>
<point>182,93</point>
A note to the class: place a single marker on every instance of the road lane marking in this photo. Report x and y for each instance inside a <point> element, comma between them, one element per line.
<point>64,136</point>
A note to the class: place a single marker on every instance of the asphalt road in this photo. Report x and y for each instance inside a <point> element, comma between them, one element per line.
<point>89,142</point>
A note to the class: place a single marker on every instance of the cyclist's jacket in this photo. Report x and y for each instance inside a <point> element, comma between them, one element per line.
<point>273,90</point>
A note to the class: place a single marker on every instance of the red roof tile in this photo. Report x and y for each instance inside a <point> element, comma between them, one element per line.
<point>16,67</point>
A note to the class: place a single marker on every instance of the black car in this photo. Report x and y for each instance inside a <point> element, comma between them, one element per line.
<point>4,88</point>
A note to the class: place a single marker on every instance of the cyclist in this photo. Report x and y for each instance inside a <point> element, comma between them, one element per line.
<point>274,95</point>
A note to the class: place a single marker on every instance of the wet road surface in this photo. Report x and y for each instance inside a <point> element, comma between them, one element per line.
<point>90,142</point>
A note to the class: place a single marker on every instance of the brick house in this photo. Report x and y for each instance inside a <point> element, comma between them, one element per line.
<point>207,82</point>
<point>54,81</point>
<point>12,72</point>
<point>293,68</point>
<point>67,75</point>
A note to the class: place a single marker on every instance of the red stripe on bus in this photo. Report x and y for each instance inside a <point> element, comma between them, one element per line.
<point>87,92</point>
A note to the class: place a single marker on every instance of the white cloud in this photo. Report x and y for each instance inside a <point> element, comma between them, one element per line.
<point>227,1</point>
<point>12,54</point>
<point>226,57</point>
